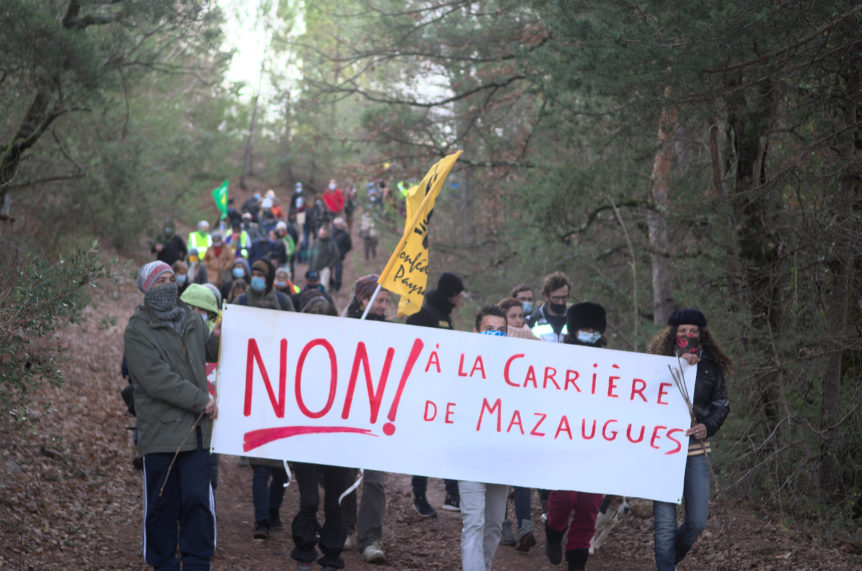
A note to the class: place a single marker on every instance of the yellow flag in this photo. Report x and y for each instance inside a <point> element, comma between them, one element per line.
<point>406,272</point>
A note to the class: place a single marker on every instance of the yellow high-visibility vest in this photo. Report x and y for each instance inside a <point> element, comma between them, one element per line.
<point>200,241</point>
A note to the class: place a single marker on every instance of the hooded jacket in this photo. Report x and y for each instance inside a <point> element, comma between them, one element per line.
<point>168,372</point>
<point>436,312</point>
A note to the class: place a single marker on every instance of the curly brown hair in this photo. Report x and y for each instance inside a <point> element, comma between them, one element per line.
<point>664,343</point>
<point>554,281</point>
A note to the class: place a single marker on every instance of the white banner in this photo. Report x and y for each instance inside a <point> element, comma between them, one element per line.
<point>440,403</point>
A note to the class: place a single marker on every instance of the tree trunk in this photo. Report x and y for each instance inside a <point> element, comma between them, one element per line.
<point>656,222</point>
<point>247,169</point>
<point>756,207</point>
<point>840,303</point>
<point>246,161</point>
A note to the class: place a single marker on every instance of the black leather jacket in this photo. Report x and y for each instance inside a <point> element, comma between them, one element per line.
<point>710,402</point>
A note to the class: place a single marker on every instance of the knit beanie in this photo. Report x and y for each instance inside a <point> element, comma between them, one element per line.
<point>687,316</point>
<point>264,267</point>
<point>149,273</point>
<point>449,285</point>
<point>365,286</point>
<point>586,315</point>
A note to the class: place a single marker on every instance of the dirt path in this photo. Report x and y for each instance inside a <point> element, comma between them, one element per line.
<point>70,498</point>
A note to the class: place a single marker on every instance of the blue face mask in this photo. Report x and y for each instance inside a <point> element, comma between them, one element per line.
<point>258,283</point>
<point>589,338</point>
<point>494,333</point>
<point>528,307</point>
<point>181,278</point>
<point>238,273</point>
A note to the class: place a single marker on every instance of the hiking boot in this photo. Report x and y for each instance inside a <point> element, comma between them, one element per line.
<point>526,539</point>
<point>452,503</point>
<point>274,520</point>
<point>261,529</point>
<point>373,553</point>
<point>577,559</point>
<point>423,507</point>
<point>554,548</point>
<point>507,538</point>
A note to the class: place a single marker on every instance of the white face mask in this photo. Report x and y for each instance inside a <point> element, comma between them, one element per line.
<point>589,338</point>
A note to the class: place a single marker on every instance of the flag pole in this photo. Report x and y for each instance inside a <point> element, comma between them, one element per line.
<point>370,301</point>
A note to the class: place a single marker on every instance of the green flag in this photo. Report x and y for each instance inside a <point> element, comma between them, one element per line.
<point>220,197</point>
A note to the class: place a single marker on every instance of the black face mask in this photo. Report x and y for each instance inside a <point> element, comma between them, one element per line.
<point>558,308</point>
<point>687,344</point>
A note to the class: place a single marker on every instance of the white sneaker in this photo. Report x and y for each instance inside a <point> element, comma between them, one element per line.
<point>373,553</point>
<point>349,543</point>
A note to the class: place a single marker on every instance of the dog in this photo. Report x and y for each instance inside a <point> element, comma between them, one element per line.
<point>612,510</point>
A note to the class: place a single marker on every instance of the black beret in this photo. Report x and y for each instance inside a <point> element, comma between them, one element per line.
<point>687,316</point>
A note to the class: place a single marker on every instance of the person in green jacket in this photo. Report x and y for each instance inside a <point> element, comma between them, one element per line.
<point>166,348</point>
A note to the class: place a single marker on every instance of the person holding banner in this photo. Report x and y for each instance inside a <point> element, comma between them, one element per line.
<point>307,532</point>
<point>586,324</point>
<point>373,503</point>
<point>483,506</point>
<point>437,312</point>
<point>167,346</point>
<point>688,337</point>
<point>268,476</point>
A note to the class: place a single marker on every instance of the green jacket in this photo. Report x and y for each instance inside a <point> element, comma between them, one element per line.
<point>324,254</point>
<point>168,373</point>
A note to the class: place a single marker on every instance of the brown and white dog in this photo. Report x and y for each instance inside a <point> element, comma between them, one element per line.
<point>612,510</point>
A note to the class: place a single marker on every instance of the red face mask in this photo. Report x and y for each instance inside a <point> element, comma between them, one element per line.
<point>687,344</point>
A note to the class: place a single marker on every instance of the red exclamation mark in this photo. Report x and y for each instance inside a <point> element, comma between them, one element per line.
<point>389,428</point>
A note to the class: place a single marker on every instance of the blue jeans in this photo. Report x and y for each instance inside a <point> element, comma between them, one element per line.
<point>267,495</point>
<point>672,543</point>
<point>420,486</point>
<point>522,504</point>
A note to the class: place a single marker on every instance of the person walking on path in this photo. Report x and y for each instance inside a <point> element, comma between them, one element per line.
<point>372,505</point>
<point>324,256</point>
<point>437,312</point>
<point>307,532</point>
<point>483,506</point>
<point>268,476</point>
<point>200,239</point>
<point>688,337</point>
<point>166,347</point>
<point>168,246</point>
<point>586,324</point>
<point>218,260</point>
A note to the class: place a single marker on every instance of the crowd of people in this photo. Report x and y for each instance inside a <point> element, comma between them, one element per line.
<point>250,259</point>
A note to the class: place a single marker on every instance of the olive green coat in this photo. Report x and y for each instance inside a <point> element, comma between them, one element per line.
<point>168,372</point>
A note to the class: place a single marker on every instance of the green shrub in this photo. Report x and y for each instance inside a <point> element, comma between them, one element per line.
<point>37,296</point>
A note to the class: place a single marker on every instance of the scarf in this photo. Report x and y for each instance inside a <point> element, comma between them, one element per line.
<point>162,301</point>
